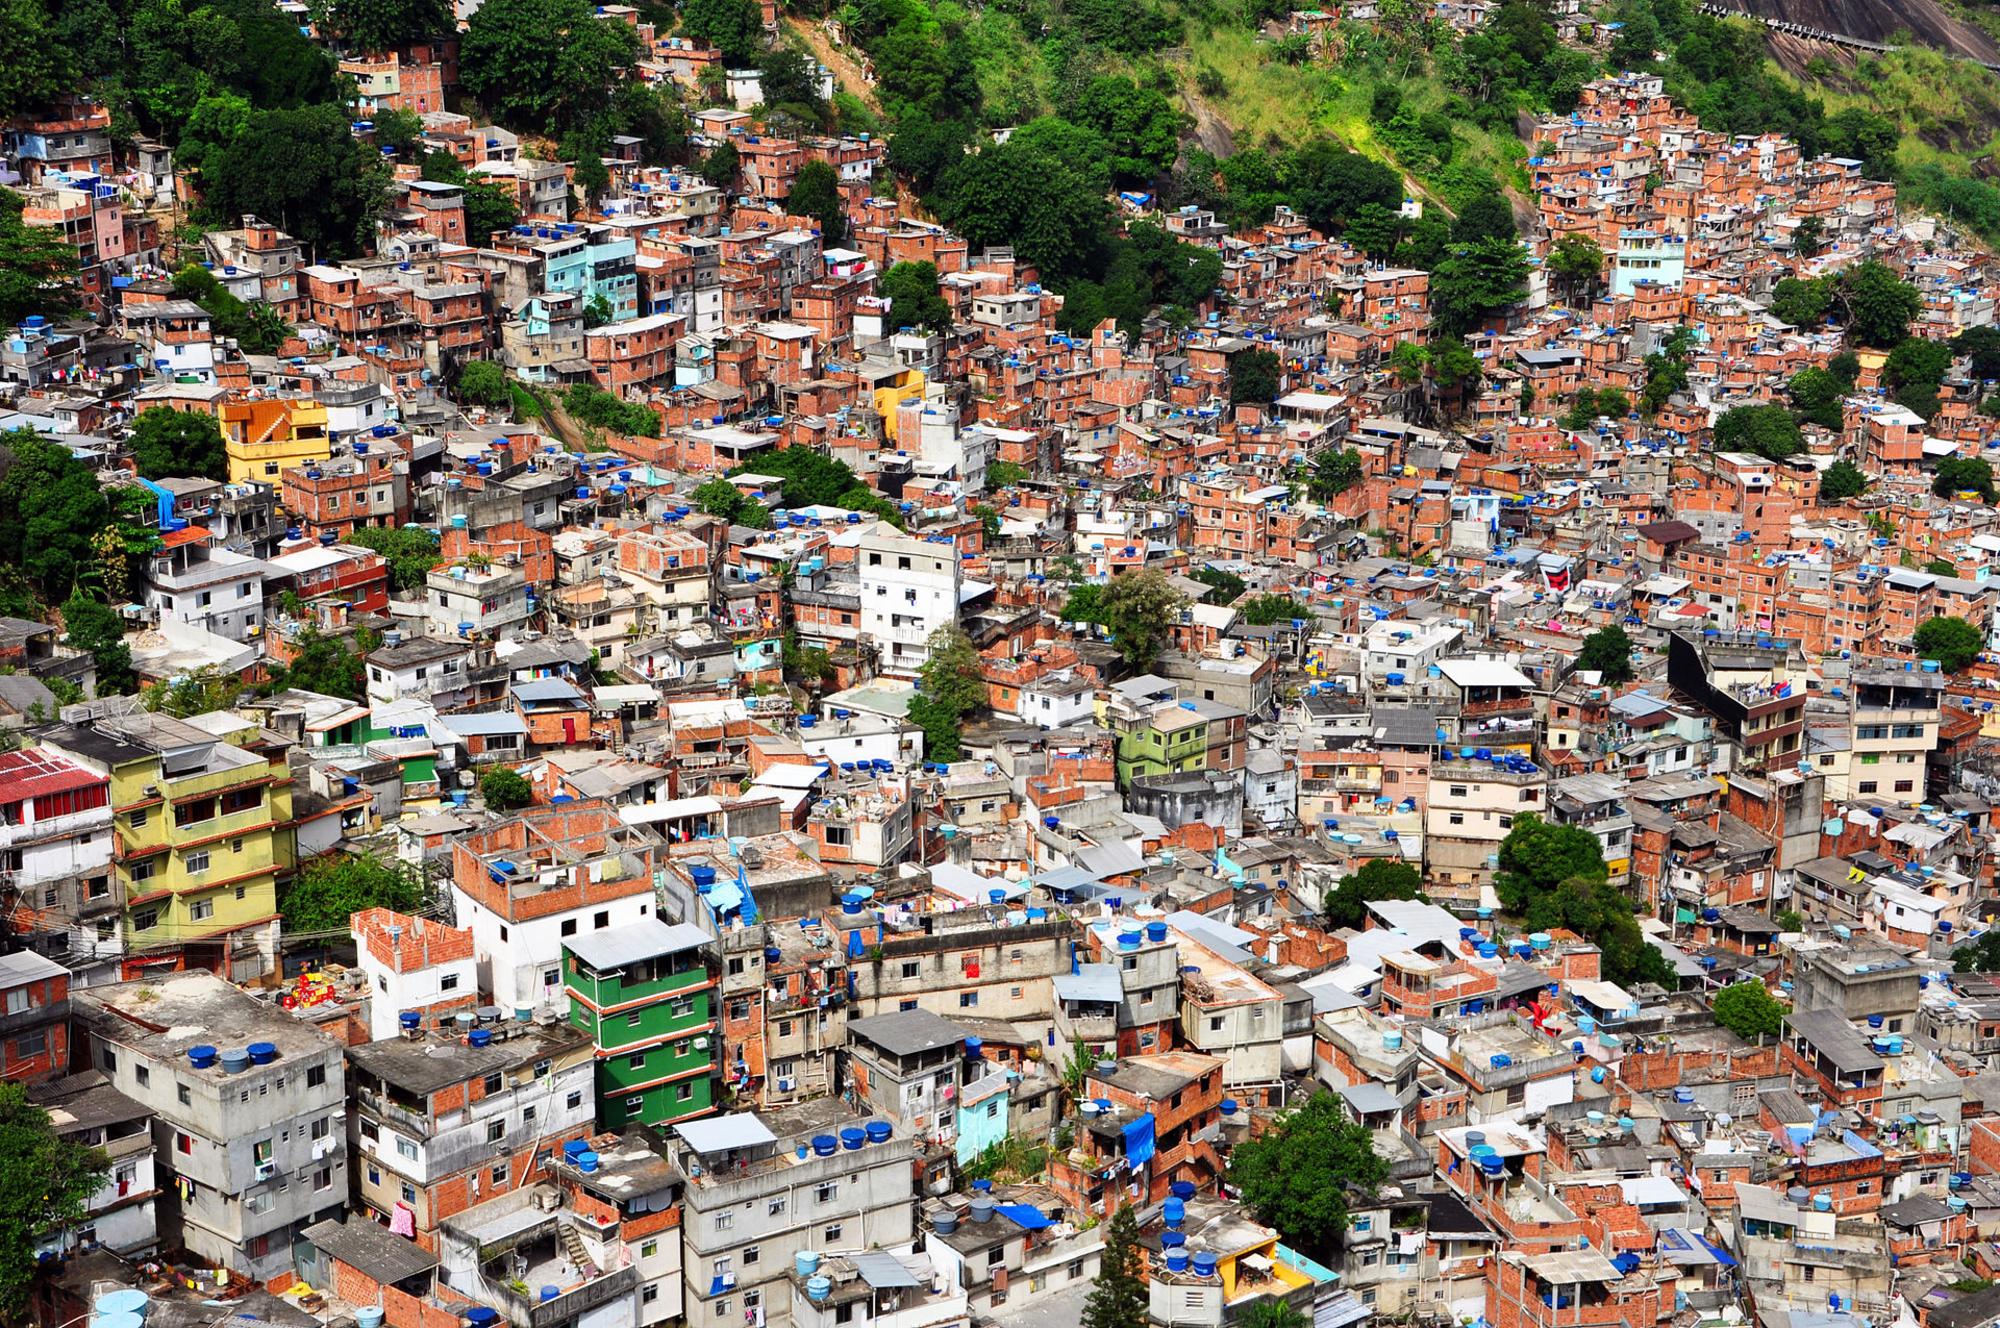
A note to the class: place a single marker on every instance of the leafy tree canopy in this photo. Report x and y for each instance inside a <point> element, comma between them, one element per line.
<point>951,689</point>
<point>49,1178</point>
<point>1880,305</point>
<point>1297,1175</point>
<point>382,25</point>
<point>505,789</point>
<point>50,506</point>
<point>1608,651</point>
<point>1253,377</point>
<point>816,194</point>
<point>178,443</point>
<point>549,64</point>
<point>37,269</point>
<point>1139,608</point>
<point>1954,474</point>
<point>1767,431</point>
<point>912,290</point>
<point>1843,479</point>
<point>1953,642</point>
<point>1748,1010</point>
<point>1346,904</point>
<point>331,889</point>
<point>410,551</point>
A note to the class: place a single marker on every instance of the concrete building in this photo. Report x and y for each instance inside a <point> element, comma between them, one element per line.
<point>751,1203</point>
<point>645,996</point>
<point>909,589</point>
<point>247,1105</point>
<point>444,1121</point>
<point>122,1215</point>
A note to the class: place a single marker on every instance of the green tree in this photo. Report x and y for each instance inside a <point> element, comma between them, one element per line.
<point>382,25</point>
<point>1841,480</point>
<point>719,498</point>
<point>1334,472</point>
<point>50,506</point>
<point>1941,567</point>
<point>1607,651</point>
<point>809,666</point>
<point>1000,474</point>
<point>1748,1010</point>
<point>1801,301</point>
<point>1140,127</point>
<point>1270,609</point>
<point>504,789</point>
<point>410,551</point>
<point>1346,904</point>
<point>1476,281</point>
<point>300,168</point>
<point>925,148</point>
<point>1816,397</point>
<point>51,1178</point>
<point>734,27</point>
<point>1980,345</point>
<point>1790,920</point>
<point>1253,377</point>
<point>1880,305</point>
<point>816,194</point>
<point>719,165</point>
<point>546,64</point>
<point>1914,371</point>
<point>1487,217</point>
<point>788,80</point>
<point>484,383</point>
<point>1226,588</point>
<point>1042,191</point>
<point>1953,642</point>
<point>257,328</point>
<point>1577,263</point>
<point>95,628</point>
<point>1084,605</point>
<point>1978,956</point>
<point>1139,609</point>
<point>322,664</point>
<point>1845,366</point>
<point>1952,474</point>
<point>1374,229</point>
<point>951,688</point>
<point>332,888</point>
<point>35,67</point>
<point>1329,184</point>
<point>1766,431</point>
<point>1268,1313</point>
<point>1296,1176</point>
<point>179,443</point>
<point>1118,1298</point>
<point>201,692</point>
<point>37,269</point>
<point>1807,237</point>
<point>1538,856</point>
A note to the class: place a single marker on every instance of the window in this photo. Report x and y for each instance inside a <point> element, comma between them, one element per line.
<point>201,910</point>
<point>832,1234</point>
<point>968,999</point>
<point>449,982</point>
<point>35,1044</point>
<point>569,927</point>
<point>826,1192</point>
<point>649,1293</point>
<point>107,1060</point>
<point>574,1100</point>
<point>498,1175</point>
<point>139,1072</point>
<point>184,1095</point>
<point>495,1131</point>
<point>406,1149</point>
<point>750,1255</point>
<point>196,863</point>
<point>910,970</point>
<point>323,1178</point>
<point>648,1249</point>
<point>636,1061</point>
<point>724,1221</point>
<point>1215,1024</point>
<point>491,1083</point>
<point>600,920</point>
<point>315,1076</point>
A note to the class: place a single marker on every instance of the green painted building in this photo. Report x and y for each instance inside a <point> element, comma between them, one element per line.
<point>1159,740</point>
<point>645,994</point>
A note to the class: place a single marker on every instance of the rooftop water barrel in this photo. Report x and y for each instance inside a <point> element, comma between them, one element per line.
<point>1585,1024</point>
<point>1172,1240</point>
<point>1128,940</point>
<point>1182,1189</point>
<point>481,1037</point>
<point>818,1288</point>
<point>410,1019</point>
<point>1174,1211</point>
<point>586,1161</point>
<point>1541,940</point>
<point>368,1316</point>
<point>116,1321</point>
<point>1799,1195</point>
<point>202,1057</point>
<point>825,1145</point>
<point>945,1221</point>
<point>703,875</point>
<point>1492,1166</point>
<point>1204,1264</point>
<point>480,1315</point>
<point>879,1131</point>
<point>972,1048</point>
<point>1957,1202</point>
<point>235,1061</point>
<point>806,1262</point>
<point>524,1014</point>
<point>1822,1202</point>
<point>1488,950</point>
<point>1156,932</point>
<point>1597,1074</point>
<point>1177,1261</point>
<point>1625,1124</point>
<point>981,1208</point>
<point>1229,1106</point>
<point>1392,1041</point>
<point>1474,1138</point>
<point>1683,1095</point>
<point>1875,1021</point>
<point>575,1149</point>
<point>1484,1151</point>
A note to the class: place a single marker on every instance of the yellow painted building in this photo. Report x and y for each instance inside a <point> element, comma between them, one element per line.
<point>268,437</point>
<point>202,831</point>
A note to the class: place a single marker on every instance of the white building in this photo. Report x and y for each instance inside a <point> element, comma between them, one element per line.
<point>120,1216</point>
<point>412,965</point>
<point>909,589</point>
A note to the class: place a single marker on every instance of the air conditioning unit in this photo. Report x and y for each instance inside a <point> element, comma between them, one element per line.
<point>701,1044</point>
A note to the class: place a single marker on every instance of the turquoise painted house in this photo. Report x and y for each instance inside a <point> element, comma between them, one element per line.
<point>982,1114</point>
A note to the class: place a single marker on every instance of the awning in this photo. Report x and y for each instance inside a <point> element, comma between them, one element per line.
<point>1722,1256</point>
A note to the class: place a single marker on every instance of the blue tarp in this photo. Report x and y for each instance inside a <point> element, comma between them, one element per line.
<point>1026,1216</point>
<point>1139,1141</point>
<point>1722,1256</point>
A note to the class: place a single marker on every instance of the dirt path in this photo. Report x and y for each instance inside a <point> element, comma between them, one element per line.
<point>846,70</point>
